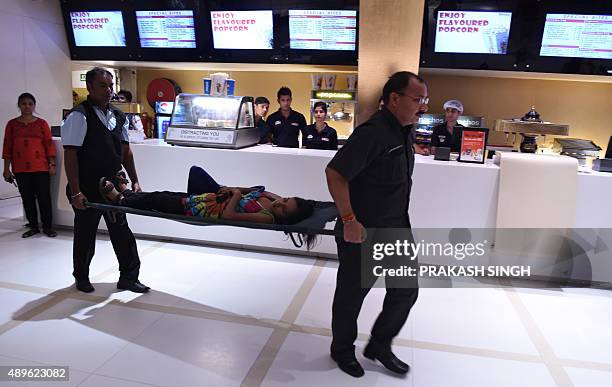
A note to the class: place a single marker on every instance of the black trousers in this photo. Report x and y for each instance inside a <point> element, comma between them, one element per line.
<point>34,187</point>
<point>162,201</point>
<point>84,245</point>
<point>348,300</point>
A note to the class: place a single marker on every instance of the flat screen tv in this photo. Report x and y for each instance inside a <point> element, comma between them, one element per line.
<point>98,28</point>
<point>473,32</point>
<point>577,36</point>
<point>322,29</point>
<point>247,30</point>
<point>544,36</point>
<point>166,29</point>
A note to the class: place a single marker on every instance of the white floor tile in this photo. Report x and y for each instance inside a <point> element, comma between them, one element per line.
<point>589,378</point>
<point>75,377</point>
<point>439,369</point>
<point>477,318</point>
<point>47,262</point>
<point>77,333</point>
<point>14,302</point>
<point>247,286</point>
<point>187,351</point>
<point>576,326</point>
<point>105,381</point>
<point>172,271</point>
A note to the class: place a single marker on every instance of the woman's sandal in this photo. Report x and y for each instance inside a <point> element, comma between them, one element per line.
<point>122,178</point>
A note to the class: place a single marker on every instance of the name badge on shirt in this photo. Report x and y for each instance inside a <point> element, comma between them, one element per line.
<point>295,124</point>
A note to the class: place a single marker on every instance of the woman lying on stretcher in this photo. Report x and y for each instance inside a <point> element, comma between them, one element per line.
<point>230,203</point>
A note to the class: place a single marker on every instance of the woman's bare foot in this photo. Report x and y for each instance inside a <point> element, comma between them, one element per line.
<point>121,186</point>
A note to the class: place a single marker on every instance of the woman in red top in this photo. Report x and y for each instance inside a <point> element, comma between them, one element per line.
<point>29,152</point>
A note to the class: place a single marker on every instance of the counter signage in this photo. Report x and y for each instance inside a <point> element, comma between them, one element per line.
<point>473,145</point>
<point>201,135</point>
<point>334,95</point>
<point>437,119</point>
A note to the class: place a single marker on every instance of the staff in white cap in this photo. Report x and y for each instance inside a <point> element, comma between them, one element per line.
<point>446,134</point>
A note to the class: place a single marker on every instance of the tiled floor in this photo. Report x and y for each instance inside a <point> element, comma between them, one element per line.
<point>221,317</point>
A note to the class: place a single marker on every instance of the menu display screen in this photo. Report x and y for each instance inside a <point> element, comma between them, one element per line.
<point>322,29</point>
<point>249,30</point>
<point>98,29</point>
<point>472,32</point>
<point>577,36</point>
<point>166,29</point>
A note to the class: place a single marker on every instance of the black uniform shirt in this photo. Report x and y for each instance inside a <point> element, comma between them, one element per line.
<point>377,160</point>
<point>442,138</point>
<point>285,130</point>
<point>326,139</point>
<point>264,131</point>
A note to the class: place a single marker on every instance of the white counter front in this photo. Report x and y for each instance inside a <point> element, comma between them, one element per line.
<point>444,194</point>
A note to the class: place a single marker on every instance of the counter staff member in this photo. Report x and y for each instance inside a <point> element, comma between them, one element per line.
<point>444,134</point>
<point>369,179</point>
<point>286,123</point>
<point>320,135</point>
<point>262,104</point>
<point>95,139</point>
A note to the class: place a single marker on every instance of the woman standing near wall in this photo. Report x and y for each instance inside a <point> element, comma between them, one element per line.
<point>29,153</point>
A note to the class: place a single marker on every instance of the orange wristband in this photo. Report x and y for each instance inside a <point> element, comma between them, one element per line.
<point>349,218</point>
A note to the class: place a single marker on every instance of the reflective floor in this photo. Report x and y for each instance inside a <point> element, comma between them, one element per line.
<point>221,317</point>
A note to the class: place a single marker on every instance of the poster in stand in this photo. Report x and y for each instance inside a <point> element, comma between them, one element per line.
<point>473,145</point>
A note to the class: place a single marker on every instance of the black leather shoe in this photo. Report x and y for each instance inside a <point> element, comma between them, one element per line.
<point>349,365</point>
<point>386,357</point>
<point>50,232</point>
<point>84,285</point>
<point>132,286</point>
<point>30,232</point>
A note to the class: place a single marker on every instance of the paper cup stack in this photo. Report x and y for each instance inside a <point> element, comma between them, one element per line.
<point>219,87</point>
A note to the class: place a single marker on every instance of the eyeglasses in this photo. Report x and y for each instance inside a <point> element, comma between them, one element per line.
<point>419,100</point>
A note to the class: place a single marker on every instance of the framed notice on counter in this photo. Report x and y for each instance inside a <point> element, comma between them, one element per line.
<point>473,145</point>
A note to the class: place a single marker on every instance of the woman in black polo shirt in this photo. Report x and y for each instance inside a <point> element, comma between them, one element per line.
<point>320,135</point>
<point>446,134</point>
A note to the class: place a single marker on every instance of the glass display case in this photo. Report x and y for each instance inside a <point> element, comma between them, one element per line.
<point>215,122</point>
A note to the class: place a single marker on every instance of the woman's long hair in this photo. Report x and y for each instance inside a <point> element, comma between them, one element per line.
<point>305,209</point>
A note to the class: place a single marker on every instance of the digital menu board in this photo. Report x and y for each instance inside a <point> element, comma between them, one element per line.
<point>322,29</point>
<point>98,29</point>
<point>577,36</point>
<point>249,30</point>
<point>166,29</point>
<point>473,32</point>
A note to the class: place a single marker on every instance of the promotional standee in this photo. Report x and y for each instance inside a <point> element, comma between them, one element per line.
<point>473,144</point>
